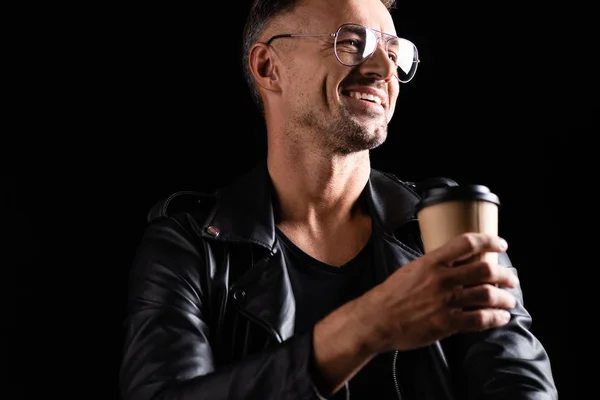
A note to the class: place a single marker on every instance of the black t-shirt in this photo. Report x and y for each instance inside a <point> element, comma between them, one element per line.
<point>319,289</point>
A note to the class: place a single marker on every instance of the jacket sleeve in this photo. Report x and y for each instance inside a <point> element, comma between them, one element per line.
<point>167,350</point>
<point>503,363</point>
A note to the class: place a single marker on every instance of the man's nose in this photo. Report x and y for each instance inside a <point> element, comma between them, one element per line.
<point>379,64</point>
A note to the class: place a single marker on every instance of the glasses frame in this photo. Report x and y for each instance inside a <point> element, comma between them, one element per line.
<point>382,35</point>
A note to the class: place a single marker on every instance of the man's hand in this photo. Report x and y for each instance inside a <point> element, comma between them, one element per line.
<point>432,298</point>
<point>439,294</point>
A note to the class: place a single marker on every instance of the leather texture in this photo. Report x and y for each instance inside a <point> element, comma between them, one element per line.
<point>211,308</point>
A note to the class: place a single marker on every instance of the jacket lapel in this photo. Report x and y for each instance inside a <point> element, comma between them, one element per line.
<point>243,214</point>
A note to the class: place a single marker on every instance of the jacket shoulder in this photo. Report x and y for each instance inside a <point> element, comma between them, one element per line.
<point>421,186</point>
<point>186,201</point>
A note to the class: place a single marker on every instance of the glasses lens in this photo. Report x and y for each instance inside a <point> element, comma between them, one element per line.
<point>354,43</point>
<point>406,57</point>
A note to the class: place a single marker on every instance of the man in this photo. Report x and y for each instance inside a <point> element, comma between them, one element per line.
<point>305,278</point>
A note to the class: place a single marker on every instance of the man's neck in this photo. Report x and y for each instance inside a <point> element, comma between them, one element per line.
<point>317,203</point>
<point>314,189</point>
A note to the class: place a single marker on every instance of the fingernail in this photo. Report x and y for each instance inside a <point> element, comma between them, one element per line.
<point>515,281</point>
<point>503,244</point>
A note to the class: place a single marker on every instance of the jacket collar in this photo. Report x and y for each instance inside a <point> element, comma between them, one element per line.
<point>243,211</point>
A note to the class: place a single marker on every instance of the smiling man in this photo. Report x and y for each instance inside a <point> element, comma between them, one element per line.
<point>306,278</point>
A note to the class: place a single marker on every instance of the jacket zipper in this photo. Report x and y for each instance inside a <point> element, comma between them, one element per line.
<point>395,375</point>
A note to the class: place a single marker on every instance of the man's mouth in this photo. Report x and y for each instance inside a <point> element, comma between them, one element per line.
<point>364,96</point>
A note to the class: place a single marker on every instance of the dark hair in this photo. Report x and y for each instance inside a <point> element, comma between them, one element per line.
<point>260,14</point>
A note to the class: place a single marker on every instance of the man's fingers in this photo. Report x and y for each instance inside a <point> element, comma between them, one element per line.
<point>482,296</point>
<point>479,272</point>
<point>467,245</point>
<point>479,320</point>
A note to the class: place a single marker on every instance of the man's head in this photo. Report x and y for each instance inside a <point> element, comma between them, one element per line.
<point>330,66</point>
<point>260,15</point>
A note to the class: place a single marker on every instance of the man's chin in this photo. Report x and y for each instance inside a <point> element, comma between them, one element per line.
<point>362,142</point>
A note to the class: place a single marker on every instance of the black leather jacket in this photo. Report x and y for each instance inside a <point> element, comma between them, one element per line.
<point>211,309</point>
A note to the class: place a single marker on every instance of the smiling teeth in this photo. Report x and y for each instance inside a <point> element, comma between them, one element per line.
<point>365,96</point>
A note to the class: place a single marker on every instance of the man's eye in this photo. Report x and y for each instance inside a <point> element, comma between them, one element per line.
<point>349,42</point>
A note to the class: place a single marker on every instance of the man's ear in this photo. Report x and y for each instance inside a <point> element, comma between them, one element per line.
<point>263,67</point>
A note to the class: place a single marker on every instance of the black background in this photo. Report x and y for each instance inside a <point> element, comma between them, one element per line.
<point>125,105</point>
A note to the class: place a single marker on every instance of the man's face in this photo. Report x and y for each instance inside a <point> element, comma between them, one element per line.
<point>347,109</point>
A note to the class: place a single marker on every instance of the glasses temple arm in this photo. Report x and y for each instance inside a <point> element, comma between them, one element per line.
<point>288,35</point>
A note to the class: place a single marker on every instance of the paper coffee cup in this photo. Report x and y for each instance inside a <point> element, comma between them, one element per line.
<point>446,212</point>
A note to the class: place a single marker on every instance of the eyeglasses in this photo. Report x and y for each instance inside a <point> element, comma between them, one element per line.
<point>354,44</point>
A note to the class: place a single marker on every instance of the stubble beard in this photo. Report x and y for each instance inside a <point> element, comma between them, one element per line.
<point>344,134</point>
